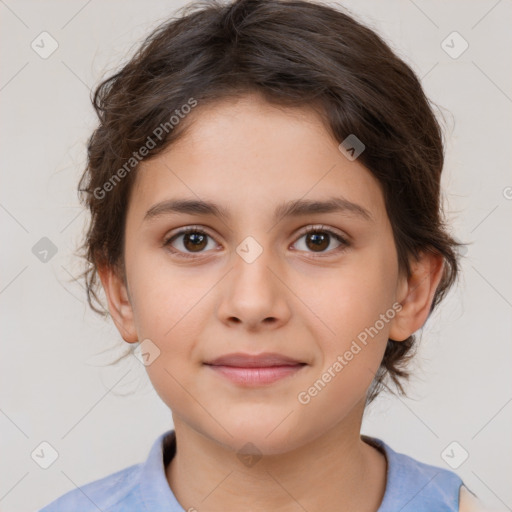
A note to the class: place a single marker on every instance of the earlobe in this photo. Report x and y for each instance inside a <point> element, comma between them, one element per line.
<point>416,295</point>
<point>119,303</point>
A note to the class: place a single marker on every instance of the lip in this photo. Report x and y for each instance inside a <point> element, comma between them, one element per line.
<point>255,370</point>
<point>265,359</point>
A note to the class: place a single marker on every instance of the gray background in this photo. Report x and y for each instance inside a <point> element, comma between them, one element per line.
<point>100,419</point>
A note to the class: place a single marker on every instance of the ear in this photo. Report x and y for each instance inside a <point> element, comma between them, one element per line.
<point>119,303</point>
<point>416,294</point>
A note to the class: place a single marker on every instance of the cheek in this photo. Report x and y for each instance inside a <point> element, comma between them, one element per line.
<point>357,305</point>
<point>359,311</point>
<point>168,310</point>
<point>164,297</point>
<point>353,298</point>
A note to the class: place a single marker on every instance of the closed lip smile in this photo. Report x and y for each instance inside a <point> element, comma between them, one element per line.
<point>265,359</point>
<point>255,369</point>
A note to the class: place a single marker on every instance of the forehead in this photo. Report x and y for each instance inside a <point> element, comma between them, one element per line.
<point>249,155</point>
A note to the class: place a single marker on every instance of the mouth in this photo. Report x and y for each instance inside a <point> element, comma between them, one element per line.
<point>255,370</point>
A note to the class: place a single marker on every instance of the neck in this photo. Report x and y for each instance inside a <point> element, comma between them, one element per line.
<point>337,471</point>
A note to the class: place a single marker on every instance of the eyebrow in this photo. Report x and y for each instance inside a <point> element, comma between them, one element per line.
<point>294,208</point>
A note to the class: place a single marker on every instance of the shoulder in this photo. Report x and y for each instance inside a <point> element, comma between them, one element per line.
<point>415,486</point>
<point>468,502</point>
<point>107,494</point>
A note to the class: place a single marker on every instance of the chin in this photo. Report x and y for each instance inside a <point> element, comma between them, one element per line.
<point>261,437</point>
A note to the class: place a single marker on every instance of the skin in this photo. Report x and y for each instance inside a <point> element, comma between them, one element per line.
<point>295,299</point>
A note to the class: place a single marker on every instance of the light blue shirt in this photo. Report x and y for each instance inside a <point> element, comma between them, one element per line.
<point>411,486</point>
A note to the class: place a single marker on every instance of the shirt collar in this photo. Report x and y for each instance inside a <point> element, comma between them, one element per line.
<point>155,492</point>
<point>157,495</point>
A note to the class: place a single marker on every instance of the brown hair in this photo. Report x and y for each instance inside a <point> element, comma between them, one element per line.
<point>294,53</point>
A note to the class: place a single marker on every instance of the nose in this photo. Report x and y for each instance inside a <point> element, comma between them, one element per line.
<point>254,295</point>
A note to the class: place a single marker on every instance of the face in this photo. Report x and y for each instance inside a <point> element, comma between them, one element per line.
<point>260,275</point>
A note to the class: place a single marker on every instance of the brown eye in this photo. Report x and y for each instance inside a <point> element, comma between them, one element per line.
<point>188,242</point>
<point>318,240</point>
<point>194,241</point>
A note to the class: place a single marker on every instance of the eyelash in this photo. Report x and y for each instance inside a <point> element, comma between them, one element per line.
<point>311,229</point>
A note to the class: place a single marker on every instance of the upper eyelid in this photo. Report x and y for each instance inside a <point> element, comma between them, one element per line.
<point>320,227</point>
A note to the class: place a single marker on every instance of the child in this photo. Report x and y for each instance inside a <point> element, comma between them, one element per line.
<point>301,161</point>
